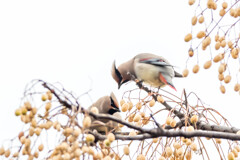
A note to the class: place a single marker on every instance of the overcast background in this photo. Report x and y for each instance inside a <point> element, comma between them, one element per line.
<point>75,43</point>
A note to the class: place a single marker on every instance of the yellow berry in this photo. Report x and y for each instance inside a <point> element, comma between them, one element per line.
<point>195,69</point>
<point>34,110</point>
<point>111,137</point>
<point>191,2</point>
<point>234,53</point>
<point>99,155</point>
<point>76,132</point>
<point>44,97</point>
<point>201,19</point>
<point>207,64</point>
<point>142,114</point>
<point>206,42</point>
<point>107,143</point>
<point>237,148</point>
<point>221,38</point>
<point>130,106</point>
<point>7,153</point>
<point>137,118</point>
<point>18,112</point>
<point>48,106</point>
<point>224,5</point>
<point>125,107</point>
<point>190,52</point>
<point>169,120</point>
<point>176,145</point>
<point>2,150</point>
<point>188,155</point>
<point>23,110</point>
<point>22,139</point>
<point>160,99</point>
<point>190,129</point>
<point>155,140</point>
<point>227,79</point>
<point>28,105</point>
<point>194,146</point>
<point>231,156</point>
<point>237,87</point>
<point>169,151</point>
<point>40,147</point>
<point>232,12</point>
<point>145,120</point>
<point>132,133</point>
<point>15,154</point>
<point>222,89</point>
<point>38,131</point>
<point>179,152</point>
<point>77,152</point>
<point>185,72</point>
<point>221,69</point>
<point>201,34</point>
<point>223,44</point>
<point>189,142</point>
<point>162,158</point>
<point>66,156</point>
<point>217,45</point>
<point>222,12</point>
<point>49,95</point>
<point>87,122</point>
<point>139,105</point>
<point>218,141</point>
<point>173,123</point>
<point>122,102</point>
<point>218,58</point>
<point>130,118</point>
<point>188,37</point>
<point>141,157</point>
<point>31,131</point>
<point>152,103</point>
<point>230,44</point>
<point>126,150</point>
<point>194,20</point>
<point>194,119</point>
<point>235,152</point>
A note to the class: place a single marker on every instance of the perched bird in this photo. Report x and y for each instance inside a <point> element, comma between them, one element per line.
<point>107,105</point>
<point>149,68</point>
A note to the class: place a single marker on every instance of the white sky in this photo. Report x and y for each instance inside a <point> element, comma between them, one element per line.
<point>75,43</point>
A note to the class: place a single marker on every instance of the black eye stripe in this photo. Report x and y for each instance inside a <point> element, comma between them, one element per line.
<point>112,111</point>
<point>118,74</point>
<point>113,104</point>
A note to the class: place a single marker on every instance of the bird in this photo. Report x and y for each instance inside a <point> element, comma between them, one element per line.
<point>106,105</point>
<point>148,68</point>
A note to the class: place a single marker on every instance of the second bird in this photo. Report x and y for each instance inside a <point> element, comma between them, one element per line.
<point>149,68</point>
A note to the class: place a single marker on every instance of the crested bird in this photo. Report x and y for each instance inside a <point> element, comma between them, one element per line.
<point>148,68</point>
<point>107,105</point>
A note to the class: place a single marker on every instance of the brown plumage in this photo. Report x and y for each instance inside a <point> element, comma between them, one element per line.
<point>106,105</point>
<point>149,68</point>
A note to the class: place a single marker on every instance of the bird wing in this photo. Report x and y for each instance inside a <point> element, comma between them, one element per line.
<point>154,61</point>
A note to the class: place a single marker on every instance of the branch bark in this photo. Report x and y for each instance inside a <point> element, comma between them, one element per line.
<point>206,130</point>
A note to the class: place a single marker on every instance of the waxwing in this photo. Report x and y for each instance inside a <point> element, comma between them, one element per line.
<point>106,105</point>
<point>149,68</point>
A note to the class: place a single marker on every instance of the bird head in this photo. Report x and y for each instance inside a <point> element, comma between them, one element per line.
<point>114,106</point>
<point>119,75</point>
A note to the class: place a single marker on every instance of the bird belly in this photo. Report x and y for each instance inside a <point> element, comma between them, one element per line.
<point>148,74</point>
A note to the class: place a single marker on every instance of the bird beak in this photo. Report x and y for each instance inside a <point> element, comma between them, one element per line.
<point>119,85</point>
<point>116,109</point>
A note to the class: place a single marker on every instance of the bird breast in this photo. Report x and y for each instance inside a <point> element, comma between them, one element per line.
<point>149,74</point>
